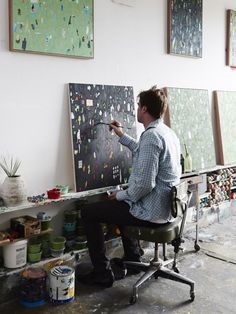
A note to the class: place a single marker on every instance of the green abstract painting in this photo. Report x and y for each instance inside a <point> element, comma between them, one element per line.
<point>189,115</point>
<point>56,27</point>
<point>225,104</point>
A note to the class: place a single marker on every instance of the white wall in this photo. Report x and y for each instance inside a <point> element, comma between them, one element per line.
<point>130,49</point>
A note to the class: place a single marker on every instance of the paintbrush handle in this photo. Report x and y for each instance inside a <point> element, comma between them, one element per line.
<point>123,127</point>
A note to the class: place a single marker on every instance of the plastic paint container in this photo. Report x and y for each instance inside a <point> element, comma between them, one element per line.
<point>61,284</point>
<point>14,254</point>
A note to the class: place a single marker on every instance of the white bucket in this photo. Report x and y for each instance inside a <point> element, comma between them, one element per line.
<point>15,254</point>
<point>62,284</point>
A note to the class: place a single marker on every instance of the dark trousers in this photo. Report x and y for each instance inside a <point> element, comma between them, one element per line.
<point>111,212</point>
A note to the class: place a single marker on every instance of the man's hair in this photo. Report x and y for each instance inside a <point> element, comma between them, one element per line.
<point>155,100</point>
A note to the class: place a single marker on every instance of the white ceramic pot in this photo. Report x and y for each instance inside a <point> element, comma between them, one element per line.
<point>13,191</point>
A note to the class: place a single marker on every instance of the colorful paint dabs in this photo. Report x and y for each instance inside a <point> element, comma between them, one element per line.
<point>99,159</point>
<point>33,287</point>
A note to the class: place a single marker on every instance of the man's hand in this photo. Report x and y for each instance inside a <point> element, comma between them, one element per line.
<point>112,196</point>
<point>116,126</point>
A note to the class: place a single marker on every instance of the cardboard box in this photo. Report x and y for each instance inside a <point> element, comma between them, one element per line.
<point>26,226</point>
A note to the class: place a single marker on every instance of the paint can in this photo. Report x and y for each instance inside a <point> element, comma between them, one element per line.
<point>33,287</point>
<point>62,284</point>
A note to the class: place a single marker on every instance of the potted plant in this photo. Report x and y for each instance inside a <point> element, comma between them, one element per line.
<point>13,187</point>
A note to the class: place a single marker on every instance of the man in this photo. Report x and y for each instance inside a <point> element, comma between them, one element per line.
<point>155,169</point>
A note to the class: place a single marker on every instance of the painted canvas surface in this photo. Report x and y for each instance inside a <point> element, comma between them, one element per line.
<point>99,159</point>
<point>231,38</point>
<point>185,28</point>
<point>189,115</point>
<point>57,27</point>
<point>225,125</point>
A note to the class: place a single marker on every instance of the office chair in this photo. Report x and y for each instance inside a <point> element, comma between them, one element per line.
<point>163,234</point>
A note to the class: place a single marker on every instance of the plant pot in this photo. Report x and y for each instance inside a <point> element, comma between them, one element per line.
<point>13,191</point>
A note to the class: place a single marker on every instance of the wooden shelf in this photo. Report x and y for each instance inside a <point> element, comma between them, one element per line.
<point>7,241</point>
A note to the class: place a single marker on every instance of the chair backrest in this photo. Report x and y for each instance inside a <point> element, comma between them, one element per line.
<point>180,197</point>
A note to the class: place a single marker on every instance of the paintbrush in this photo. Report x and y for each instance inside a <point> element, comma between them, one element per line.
<point>123,127</point>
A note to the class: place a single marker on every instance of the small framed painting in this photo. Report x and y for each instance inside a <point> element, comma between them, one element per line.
<point>231,39</point>
<point>184,28</point>
<point>52,27</point>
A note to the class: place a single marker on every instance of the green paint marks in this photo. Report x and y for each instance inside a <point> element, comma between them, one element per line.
<point>190,118</point>
<point>227,116</point>
<point>63,27</point>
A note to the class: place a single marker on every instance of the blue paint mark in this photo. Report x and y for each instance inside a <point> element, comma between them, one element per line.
<point>14,27</point>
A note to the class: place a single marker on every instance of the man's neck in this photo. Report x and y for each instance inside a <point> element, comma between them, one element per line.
<point>147,121</point>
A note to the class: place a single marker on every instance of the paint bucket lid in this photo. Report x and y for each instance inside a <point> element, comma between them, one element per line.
<point>62,271</point>
<point>34,273</point>
<point>32,304</point>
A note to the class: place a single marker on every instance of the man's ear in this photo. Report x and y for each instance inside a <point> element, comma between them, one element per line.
<point>144,109</point>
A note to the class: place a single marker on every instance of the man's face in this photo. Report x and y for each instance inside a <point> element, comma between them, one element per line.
<point>139,113</point>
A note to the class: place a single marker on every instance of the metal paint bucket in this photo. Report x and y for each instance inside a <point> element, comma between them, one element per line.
<point>62,284</point>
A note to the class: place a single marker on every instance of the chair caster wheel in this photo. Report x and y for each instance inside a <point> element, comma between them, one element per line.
<point>192,296</point>
<point>176,270</point>
<point>133,299</point>
<point>197,247</point>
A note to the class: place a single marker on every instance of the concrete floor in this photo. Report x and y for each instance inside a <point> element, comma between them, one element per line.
<point>213,269</point>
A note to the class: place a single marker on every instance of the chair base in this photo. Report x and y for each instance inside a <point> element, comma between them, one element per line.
<point>158,269</point>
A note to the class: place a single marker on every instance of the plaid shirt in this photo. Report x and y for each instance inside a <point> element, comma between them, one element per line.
<point>155,169</point>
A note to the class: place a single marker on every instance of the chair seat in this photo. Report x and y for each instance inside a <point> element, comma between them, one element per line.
<point>162,233</point>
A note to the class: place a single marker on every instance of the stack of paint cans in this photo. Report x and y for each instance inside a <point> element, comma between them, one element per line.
<point>69,227</point>
<point>62,284</point>
<point>33,287</point>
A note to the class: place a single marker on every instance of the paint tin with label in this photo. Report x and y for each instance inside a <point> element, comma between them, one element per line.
<point>62,284</point>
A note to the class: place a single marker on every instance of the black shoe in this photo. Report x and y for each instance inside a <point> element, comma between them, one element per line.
<point>104,279</point>
<point>118,267</point>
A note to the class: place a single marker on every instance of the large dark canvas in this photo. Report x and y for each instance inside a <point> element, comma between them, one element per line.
<point>185,28</point>
<point>189,115</point>
<point>99,160</point>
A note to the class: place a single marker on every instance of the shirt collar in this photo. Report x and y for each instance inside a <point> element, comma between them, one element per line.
<point>154,123</point>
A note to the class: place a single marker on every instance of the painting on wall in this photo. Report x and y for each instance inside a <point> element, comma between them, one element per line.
<point>99,159</point>
<point>231,38</point>
<point>189,115</point>
<point>184,28</point>
<point>52,27</point>
<point>225,125</point>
